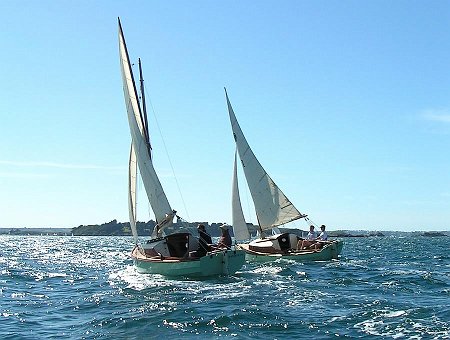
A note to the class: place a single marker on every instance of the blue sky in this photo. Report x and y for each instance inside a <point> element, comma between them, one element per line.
<point>345,103</point>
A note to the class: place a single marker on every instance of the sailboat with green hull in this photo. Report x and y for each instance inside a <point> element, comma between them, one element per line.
<point>168,251</point>
<point>273,209</point>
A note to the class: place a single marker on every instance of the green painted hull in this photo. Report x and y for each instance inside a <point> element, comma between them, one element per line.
<point>327,253</point>
<point>225,262</point>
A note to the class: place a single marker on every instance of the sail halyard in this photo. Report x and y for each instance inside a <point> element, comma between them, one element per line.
<point>155,193</point>
<point>272,207</point>
<point>240,228</point>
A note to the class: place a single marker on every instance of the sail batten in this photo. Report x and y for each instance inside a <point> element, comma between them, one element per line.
<point>139,136</point>
<point>272,207</point>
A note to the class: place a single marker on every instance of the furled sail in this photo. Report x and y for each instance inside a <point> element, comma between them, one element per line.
<point>155,193</point>
<point>272,207</point>
<point>239,225</point>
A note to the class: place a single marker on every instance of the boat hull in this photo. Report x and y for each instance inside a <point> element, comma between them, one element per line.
<point>222,262</point>
<point>328,252</point>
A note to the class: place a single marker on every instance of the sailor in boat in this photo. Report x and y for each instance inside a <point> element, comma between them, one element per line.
<point>204,242</point>
<point>309,241</point>
<point>225,240</point>
<point>322,239</point>
<point>323,234</point>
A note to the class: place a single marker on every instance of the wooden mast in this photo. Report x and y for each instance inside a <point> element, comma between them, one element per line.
<point>144,108</point>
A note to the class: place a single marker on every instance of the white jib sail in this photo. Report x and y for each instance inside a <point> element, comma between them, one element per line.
<point>239,225</point>
<point>132,180</point>
<point>272,207</point>
<point>155,193</point>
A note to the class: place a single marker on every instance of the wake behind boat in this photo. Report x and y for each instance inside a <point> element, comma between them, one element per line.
<point>273,209</point>
<point>170,248</point>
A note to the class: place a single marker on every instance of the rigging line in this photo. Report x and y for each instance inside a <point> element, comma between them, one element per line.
<point>167,153</point>
<point>311,222</point>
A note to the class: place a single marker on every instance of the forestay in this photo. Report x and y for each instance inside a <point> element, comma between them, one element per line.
<point>272,207</point>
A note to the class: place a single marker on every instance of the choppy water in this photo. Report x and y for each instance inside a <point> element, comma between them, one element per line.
<point>80,287</point>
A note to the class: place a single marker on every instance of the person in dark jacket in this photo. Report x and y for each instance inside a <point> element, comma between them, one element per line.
<point>204,241</point>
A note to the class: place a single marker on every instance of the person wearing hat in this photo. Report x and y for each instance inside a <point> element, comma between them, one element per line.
<point>225,239</point>
<point>322,239</point>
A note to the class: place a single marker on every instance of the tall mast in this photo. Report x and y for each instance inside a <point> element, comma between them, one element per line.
<point>144,108</point>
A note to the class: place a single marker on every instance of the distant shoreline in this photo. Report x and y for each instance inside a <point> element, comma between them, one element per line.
<point>114,228</point>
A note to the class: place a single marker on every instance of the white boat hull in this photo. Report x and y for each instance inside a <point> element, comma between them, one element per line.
<point>220,262</point>
<point>328,252</point>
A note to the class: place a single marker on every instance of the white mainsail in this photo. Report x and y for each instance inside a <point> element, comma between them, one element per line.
<point>239,225</point>
<point>155,193</point>
<point>272,207</point>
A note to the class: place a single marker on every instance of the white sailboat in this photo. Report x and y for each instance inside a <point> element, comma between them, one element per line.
<point>167,251</point>
<point>273,209</point>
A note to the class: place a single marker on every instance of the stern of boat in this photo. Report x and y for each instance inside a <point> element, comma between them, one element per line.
<point>222,262</point>
<point>336,248</point>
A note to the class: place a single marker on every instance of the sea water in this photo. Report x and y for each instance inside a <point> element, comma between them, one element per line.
<point>87,288</point>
